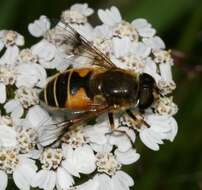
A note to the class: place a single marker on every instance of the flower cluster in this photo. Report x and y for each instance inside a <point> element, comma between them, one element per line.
<point>30,150</point>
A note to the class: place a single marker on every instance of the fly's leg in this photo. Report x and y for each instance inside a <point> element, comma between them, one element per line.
<point>111,120</point>
<point>115,129</point>
<point>137,119</point>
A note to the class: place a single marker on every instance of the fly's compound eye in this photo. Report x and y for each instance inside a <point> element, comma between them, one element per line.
<point>146,86</point>
<point>146,80</point>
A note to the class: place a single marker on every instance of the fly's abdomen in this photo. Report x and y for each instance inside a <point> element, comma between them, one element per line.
<point>69,90</point>
<point>56,90</point>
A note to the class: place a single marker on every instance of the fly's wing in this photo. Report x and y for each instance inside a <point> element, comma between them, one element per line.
<point>79,46</point>
<point>48,134</point>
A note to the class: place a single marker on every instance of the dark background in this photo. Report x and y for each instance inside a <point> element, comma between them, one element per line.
<point>177,165</point>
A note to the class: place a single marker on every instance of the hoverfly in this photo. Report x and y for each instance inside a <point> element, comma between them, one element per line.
<point>103,88</point>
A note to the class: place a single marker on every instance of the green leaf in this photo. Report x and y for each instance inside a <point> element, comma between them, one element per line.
<point>161,13</point>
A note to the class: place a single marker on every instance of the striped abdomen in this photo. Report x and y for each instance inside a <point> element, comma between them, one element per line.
<point>69,89</point>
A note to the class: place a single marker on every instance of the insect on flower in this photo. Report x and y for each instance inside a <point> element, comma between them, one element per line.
<point>103,88</point>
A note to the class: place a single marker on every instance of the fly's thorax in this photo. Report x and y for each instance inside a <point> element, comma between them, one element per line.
<point>117,86</point>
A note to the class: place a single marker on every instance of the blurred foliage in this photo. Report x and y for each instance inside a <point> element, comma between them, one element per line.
<point>177,165</point>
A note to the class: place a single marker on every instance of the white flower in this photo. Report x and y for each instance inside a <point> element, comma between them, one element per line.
<point>132,56</point>
<point>22,169</point>
<point>11,40</point>
<point>120,180</point>
<point>39,120</point>
<point>102,31</point>
<point>80,160</point>
<point>128,157</point>
<point>110,16</point>
<point>97,133</point>
<point>26,56</point>
<point>39,27</point>
<point>82,9</point>
<point>104,45</point>
<point>166,83</point>
<point>143,27</point>
<point>4,180</point>
<point>62,149</point>
<point>77,14</point>
<point>165,71</point>
<point>24,98</point>
<point>155,43</point>
<point>30,75</point>
<point>49,179</point>
<point>110,163</point>
<point>90,185</point>
<point>151,69</point>
<point>52,174</point>
<point>125,29</point>
<point>118,45</point>
<point>7,134</point>
<point>7,77</point>
<point>7,74</point>
<point>10,56</point>
<point>15,108</point>
<point>27,96</point>
<point>161,128</point>
<point>2,93</point>
<point>165,106</point>
<point>163,56</point>
<point>49,56</point>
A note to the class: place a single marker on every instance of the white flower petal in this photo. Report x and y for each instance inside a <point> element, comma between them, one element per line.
<point>150,138</point>
<point>34,154</point>
<point>85,159</point>
<point>64,179</point>
<point>7,136</point>
<point>69,163</point>
<point>44,179</point>
<point>140,23</point>
<point>155,43</point>
<point>97,133</point>
<point>118,45</point>
<point>121,141</point>
<point>3,180</point>
<point>110,17</point>
<point>122,179</point>
<point>39,178</point>
<point>15,108</point>
<point>44,50</point>
<point>141,50</point>
<point>130,134</point>
<point>143,27</point>
<point>82,9</point>
<point>20,41</point>
<point>36,117</point>
<point>165,126</point>
<point>128,157</point>
<point>89,185</point>
<point>30,75</point>
<point>102,31</point>
<point>1,45</point>
<point>2,93</point>
<point>23,179</point>
<point>102,148</point>
<point>39,27</point>
<point>10,56</point>
<point>165,70</point>
<point>151,69</point>
<point>104,182</point>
